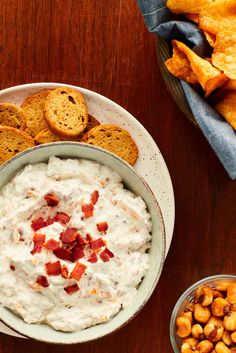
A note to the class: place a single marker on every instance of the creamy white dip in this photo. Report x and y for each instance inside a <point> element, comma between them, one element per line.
<point>104,287</point>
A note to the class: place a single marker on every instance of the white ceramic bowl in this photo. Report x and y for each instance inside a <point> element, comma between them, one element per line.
<point>134,183</point>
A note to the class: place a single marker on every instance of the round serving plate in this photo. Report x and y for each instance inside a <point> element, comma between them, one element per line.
<point>172,83</point>
<point>150,164</point>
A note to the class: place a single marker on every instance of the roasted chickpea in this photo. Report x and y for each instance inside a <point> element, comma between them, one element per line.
<point>233,307</point>
<point>229,322</point>
<point>204,346</point>
<point>226,338</point>
<point>233,336</point>
<point>197,331</point>
<point>191,341</point>
<point>204,296</point>
<point>220,307</point>
<point>190,307</point>
<point>184,326</point>
<point>231,293</point>
<point>221,348</point>
<point>201,313</point>
<point>213,332</point>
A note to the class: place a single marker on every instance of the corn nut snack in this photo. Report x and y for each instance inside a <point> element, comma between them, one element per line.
<point>208,323</point>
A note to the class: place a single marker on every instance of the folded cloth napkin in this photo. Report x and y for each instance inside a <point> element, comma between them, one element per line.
<point>218,132</point>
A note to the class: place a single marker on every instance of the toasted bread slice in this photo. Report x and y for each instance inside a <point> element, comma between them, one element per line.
<point>66,112</point>
<point>92,122</point>
<point>46,137</point>
<point>33,107</point>
<point>13,141</point>
<point>12,115</point>
<point>114,139</point>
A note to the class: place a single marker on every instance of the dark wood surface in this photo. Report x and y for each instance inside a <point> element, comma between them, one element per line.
<point>104,46</point>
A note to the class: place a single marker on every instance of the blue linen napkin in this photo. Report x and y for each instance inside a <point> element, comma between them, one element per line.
<point>218,132</point>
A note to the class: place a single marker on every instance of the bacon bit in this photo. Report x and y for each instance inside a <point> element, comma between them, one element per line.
<point>106,254</point>
<point>61,217</point>
<point>97,244</point>
<point>80,240</point>
<point>102,227</point>
<point>77,253</point>
<point>78,271</point>
<point>87,209</point>
<point>94,197</point>
<point>39,238</point>
<point>72,289</point>
<point>64,271</point>
<point>51,199</point>
<point>49,221</point>
<point>89,237</point>
<point>37,248</point>
<point>53,268</point>
<point>63,254</point>
<point>42,281</point>
<point>38,223</point>
<point>51,244</point>
<point>92,258</point>
<point>68,235</point>
<point>12,267</point>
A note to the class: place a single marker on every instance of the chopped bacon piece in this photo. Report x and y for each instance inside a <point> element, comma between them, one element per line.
<point>49,221</point>
<point>94,197</point>
<point>68,235</point>
<point>64,271</point>
<point>102,227</point>
<point>61,217</point>
<point>80,240</point>
<point>37,248</point>
<point>89,237</point>
<point>51,244</point>
<point>106,254</point>
<point>63,254</point>
<point>77,253</point>
<point>93,257</point>
<point>39,238</point>
<point>53,268</point>
<point>12,267</point>
<point>42,281</point>
<point>78,271</point>
<point>38,223</point>
<point>72,289</point>
<point>87,209</point>
<point>51,199</point>
<point>97,244</point>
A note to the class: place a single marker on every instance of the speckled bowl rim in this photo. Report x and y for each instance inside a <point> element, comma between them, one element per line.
<point>186,295</point>
<point>163,237</point>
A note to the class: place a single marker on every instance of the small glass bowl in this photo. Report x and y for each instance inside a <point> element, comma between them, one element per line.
<point>186,298</point>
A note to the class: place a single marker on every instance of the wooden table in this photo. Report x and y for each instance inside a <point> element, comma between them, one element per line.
<point>104,46</point>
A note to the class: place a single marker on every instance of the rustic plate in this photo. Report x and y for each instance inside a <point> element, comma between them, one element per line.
<point>150,165</point>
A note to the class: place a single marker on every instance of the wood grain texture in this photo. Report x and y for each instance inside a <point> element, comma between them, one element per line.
<point>104,46</point>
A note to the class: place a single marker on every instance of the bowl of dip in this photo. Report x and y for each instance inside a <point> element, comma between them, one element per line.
<point>82,243</point>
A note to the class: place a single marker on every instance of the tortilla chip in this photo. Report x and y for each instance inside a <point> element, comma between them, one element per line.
<point>211,38</point>
<point>227,108</point>
<point>193,17</point>
<point>187,6</point>
<point>219,16</point>
<point>224,54</point>
<point>208,76</point>
<point>179,66</point>
<point>230,85</point>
